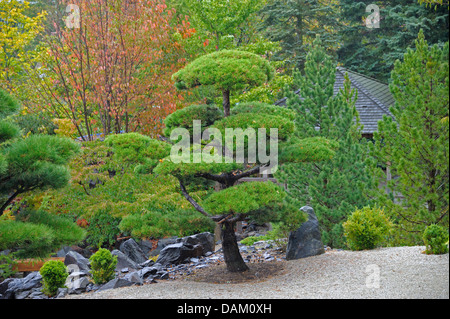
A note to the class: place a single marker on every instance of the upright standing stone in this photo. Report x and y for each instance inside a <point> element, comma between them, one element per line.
<point>306,241</point>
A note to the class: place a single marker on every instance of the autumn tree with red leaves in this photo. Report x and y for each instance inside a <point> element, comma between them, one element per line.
<point>108,67</point>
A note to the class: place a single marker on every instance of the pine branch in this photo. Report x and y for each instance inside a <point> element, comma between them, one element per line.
<point>192,201</point>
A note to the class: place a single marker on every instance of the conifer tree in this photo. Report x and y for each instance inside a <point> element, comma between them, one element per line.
<point>373,51</point>
<point>236,202</point>
<point>416,144</point>
<point>334,188</point>
<point>39,161</point>
<point>295,24</point>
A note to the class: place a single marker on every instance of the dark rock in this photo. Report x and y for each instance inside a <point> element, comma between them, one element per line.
<point>205,240</point>
<point>4,285</point>
<point>178,253</point>
<point>116,283</point>
<point>18,286</point>
<point>131,249</point>
<point>147,271</point>
<point>162,243</point>
<point>123,261</point>
<point>86,253</point>
<point>92,287</point>
<point>151,280</point>
<point>22,294</point>
<point>148,263</point>
<point>146,246</point>
<point>77,285</point>
<point>134,277</point>
<point>76,262</point>
<point>62,292</point>
<point>162,275</point>
<point>306,241</point>
<point>36,293</point>
<point>63,251</point>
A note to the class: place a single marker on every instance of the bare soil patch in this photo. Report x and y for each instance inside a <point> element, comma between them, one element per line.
<point>218,274</point>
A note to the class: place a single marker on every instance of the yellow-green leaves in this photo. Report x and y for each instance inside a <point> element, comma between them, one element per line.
<point>16,33</point>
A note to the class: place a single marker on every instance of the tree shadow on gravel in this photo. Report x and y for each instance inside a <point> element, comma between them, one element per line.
<point>218,274</point>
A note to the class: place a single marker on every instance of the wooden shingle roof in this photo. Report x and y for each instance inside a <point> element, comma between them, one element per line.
<point>374,98</point>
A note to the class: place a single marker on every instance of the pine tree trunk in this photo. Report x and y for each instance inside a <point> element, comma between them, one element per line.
<point>233,258</point>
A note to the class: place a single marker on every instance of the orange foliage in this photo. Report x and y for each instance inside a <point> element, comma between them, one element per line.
<point>114,72</point>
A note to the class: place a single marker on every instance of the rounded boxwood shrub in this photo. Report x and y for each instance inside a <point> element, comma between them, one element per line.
<point>103,265</point>
<point>366,228</point>
<point>54,274</point>
<point>435,238</point>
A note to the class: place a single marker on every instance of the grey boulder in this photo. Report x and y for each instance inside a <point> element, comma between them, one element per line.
<point>76,262</point>
<point>77,282</point>
<point>10,288</point>
<point>306,241</point>
<point>205,240</point>
<point>116,283</point>
<point>178,253</point>
<point>133,251</point>
<point>123,261</point>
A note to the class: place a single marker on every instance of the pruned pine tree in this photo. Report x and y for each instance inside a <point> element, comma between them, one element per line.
<point>236,202</point>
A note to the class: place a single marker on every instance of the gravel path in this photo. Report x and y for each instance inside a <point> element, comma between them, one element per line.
<point>400,272</point>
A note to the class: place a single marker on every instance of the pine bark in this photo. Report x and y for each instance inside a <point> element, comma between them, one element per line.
<point>232,256</point>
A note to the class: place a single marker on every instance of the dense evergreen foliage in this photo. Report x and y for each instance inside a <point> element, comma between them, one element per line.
<point>373,51</point>
<point>337,186</point>
<point>419,196</point>
<point>296,23</point>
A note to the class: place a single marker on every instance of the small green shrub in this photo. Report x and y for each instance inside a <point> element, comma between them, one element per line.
<point>435,238</point>
<point>103,265</point>
<point>249,241</point>
<point>366,228</point>
<point>54,274</point>
<point>103,229</point>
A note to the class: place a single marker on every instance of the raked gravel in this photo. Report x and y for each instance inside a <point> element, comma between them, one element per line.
<point>386,273</point>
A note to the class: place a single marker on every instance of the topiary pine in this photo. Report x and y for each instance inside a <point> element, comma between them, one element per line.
<point>227,70</point>
<point>236,202</point>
